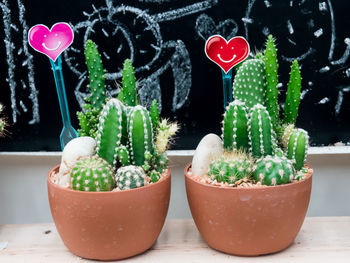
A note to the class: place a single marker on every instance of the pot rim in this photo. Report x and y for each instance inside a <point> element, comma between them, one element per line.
<point>261,188</point>
<point>52,184</point>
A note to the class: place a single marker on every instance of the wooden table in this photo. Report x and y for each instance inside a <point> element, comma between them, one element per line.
<point>322,239</point>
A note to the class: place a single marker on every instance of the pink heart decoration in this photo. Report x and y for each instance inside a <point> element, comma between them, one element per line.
<point>226,54</point>
<point>51,42</point>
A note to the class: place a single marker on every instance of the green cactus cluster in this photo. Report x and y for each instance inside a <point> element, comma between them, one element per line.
<point>252,123</point>
<point>128,137</point>
<point>92,174</point>
<point>130,177</point>
<point>274,170</point>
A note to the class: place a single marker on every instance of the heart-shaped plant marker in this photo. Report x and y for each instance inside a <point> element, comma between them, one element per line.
<point>51,42</point>
<point>226,54</point>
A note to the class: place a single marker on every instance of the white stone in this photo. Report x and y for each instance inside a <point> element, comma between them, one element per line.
<point>73,151</point>
<point>208,149</point>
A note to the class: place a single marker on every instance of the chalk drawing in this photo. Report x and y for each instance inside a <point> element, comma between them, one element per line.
<point>166,55</point>
<point>340,98</point>
<point>324,101</point>
<point>324,69</point>
<point>12,31</point>
<point>206,27</point>
<point>318,32</point>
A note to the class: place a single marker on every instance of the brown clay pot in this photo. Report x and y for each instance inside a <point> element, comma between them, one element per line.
<point>109,225</point>
<point>248,221</point>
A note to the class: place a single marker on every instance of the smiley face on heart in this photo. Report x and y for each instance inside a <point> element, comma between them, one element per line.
<point>51,42</point>
<point>226,54</point>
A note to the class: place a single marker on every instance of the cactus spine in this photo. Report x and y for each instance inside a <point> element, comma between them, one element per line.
<point>140,134</point>
<point>298,143</point>
<point>128,94</point>
<point>250,83</point>
<point>235,126</point>
<point>274,170</point>
<point>112,131</point>
<point>92,174</point>
<point>291,105</point>
<point>261,134</point>
<point>130,177</point>
<point>271,64</point>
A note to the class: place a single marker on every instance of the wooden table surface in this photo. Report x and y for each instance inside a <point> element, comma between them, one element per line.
<point>321,239</point>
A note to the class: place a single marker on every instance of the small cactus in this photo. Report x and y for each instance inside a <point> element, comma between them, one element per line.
<point>2,122</point>
<point>291,105</point>
<point>154,176</point>
<point>130,177</point>
<point>249,85</point>
<point>298,143</point>
<point>123,155</point>
<point>274,170</point>
<point>271,64</point>
<point>288,129</point>
<point>261,134</point>
<point>128,93</point>
<point>233,166</point>
<point>235,126</point>
<point>112,131</point>
<point>165,131</point>
<point>140,134</point>
<point>96,75</point>
<point>92,174</point>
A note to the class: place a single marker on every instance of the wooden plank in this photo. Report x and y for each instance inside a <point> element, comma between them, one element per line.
<point>322,239</point>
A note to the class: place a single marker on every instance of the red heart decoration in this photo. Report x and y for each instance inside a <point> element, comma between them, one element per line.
<point>226,54</point>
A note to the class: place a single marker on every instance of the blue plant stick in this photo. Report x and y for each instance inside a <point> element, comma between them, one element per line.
<point>68,132</point>
<point>227,87</point>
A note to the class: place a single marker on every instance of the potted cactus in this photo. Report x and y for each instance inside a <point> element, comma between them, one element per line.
<point>110,195</point>
<point>249,190</point>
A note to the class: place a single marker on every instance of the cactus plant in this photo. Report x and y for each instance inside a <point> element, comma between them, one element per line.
<point>154,113</point>
<point>235,126</point>
<point>92,174</point>
<point>274,170</point>
<point>271,64</point>
<point>230,171</point>
<point>261,134</point>
<point>112,131</point>
<point>298,143</point>
<point>88,119</point>
<point>249,85</point>
<point>130,177</point>
<point>140,134</point>
<point>164,132</point>
<point>291,105</point>
<point>128,93</point>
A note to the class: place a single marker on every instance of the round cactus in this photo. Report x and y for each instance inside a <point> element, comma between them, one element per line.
<point>233,166</point>
<point>274,170</point>
<point>92,174</point>
<point>129,177</point>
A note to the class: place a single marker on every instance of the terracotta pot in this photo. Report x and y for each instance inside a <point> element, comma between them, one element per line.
<point>109,225</point>
<point>248,221</point>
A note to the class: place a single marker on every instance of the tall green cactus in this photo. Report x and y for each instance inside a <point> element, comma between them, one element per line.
<point>88,119</point>
<point>96,75</point>
<point>271,64</point>
<point>298,143</point>
<point>154,113</point>
<point>112,131</point>
<point>235,126</point>
<point>291,105</point>
<point>140,134</point>
<point>261,134</point>
<point>249,85</point>
<point>128,93</point>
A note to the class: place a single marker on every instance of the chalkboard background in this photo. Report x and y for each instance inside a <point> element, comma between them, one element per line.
<point>165,40</point>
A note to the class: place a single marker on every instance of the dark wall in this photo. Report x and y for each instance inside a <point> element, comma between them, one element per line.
<point>165,40</point>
